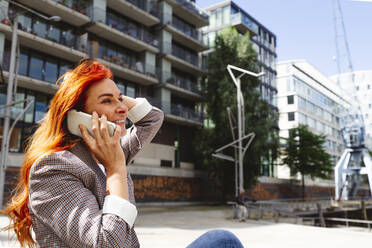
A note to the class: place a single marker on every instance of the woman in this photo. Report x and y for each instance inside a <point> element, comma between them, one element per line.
<point>76,192</point>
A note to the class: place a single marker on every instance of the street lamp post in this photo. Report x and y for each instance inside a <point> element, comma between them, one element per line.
<point>11,90</point>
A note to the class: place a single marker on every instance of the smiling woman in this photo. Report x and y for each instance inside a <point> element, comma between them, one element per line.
<point>76,192</point>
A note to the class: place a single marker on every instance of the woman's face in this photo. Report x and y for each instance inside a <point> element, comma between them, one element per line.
<point>104,97</point>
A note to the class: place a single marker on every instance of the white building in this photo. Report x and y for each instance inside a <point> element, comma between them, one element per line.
<point>363,93</point>
<point>306,96</point>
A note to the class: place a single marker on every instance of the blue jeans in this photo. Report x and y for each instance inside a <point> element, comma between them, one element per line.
<point>216,239</point>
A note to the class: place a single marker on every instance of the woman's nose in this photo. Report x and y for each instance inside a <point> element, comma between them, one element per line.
<point>122,108</point>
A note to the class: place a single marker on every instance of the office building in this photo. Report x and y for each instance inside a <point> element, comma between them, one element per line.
<point>307,97</point>
<point>152,49</point>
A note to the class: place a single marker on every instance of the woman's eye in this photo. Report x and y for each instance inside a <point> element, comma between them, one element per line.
<point>106,101</point>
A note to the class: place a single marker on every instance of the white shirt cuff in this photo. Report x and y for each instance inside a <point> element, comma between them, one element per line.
<point>120,207</point>
<point>142,108</point>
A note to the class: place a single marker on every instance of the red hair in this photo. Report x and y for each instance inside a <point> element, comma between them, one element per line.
<point>51,136</point>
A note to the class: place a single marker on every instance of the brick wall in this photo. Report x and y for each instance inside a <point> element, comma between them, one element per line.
<point>173,189</point>
<point>164,188</point>
<point>270,191</point>
<point>11,180</point>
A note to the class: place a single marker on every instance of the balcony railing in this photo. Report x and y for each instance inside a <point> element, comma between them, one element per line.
<point>80,6</point>
<point>186,113</point>
<point>184,84</point>
<point>177,110</point>
<point>243,19</point>
<point>193,33</point>
<point>185,55</point>
<point>131,29</point>
<point>122,60</point>
<point>191,6</point>
<point>57,33</point>
<point>139,3</point>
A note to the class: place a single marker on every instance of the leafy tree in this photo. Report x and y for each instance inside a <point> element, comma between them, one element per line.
<point>260,118</point>
<point>305,154</point>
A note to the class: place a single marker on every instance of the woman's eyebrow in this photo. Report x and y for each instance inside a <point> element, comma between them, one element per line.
<point>105,94</point>
<point>108,94</point>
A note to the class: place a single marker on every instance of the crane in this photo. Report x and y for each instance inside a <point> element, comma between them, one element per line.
<point>348,170</point>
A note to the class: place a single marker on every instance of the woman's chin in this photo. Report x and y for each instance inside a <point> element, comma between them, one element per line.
<point>123,130</point>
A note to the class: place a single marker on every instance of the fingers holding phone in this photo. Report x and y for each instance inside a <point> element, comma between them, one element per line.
<point>105,148</point>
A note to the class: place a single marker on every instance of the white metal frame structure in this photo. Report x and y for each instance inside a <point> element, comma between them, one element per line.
<point>348,170</point>
<point>241,129</point>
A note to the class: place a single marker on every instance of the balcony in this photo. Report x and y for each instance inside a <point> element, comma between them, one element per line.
<point>67,10</point>
<point>244,24</point>
<point>61,50</point>
<point>182,59</point>
<point>182,87</point>
<point>125,36</point>
<point>189,11</point>
<point>191,38</point>
<point>134,72</point>
<point>33,84</point>
<point>136,10</point>
<point>177,113</point>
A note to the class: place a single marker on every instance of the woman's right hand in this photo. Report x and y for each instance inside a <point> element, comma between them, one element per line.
<point>105,148</point>
<point>108,151</point>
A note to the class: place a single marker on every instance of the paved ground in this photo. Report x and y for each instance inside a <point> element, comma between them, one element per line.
<point>161,227</point>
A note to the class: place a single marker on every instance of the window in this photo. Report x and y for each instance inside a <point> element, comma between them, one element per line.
<point>41,107</point>
<point>291,116</point>
<point>25,23</point>
<point>121,88</point>
<point>40,28</point>
<point>23,62</point>
<point>51,71</point>
<point>212,19</point>
<point>290,99</point>
<point>131,91</point>
<point>226,15</point>
<point>17,108</point>
<point>36,67</point>
<point>219,17</point>
<point>64,67</point>
<point>54,33</point>
<point>29,115</point>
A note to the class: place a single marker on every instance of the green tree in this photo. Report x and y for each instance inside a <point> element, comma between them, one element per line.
<point>260,118</point>
<point>305,154</point>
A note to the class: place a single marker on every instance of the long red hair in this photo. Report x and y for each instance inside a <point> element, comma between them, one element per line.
<point>51,136</point>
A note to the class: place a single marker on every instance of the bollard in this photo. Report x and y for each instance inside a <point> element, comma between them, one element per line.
<point>321,217</point>
<point>364,213</point>
<point>235,211</point>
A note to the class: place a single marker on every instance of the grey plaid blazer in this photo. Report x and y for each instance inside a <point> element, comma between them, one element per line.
<point>67,192</point>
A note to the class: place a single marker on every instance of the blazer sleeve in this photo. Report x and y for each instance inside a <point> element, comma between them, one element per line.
<point>147,121</point>
<point>60,200</point>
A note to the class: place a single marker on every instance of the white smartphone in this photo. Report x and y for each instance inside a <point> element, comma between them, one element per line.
<point>75,118</point>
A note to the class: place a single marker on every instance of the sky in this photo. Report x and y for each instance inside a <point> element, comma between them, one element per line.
<point>305,29</point>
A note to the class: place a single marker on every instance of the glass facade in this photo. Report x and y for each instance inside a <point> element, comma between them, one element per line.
<point>130,27</point>
<point>263,41</point>
<point>304,93</point>
<point>59,32</point>
<point>23,128</point>
<point>185,53</point>
<point>37,65</point>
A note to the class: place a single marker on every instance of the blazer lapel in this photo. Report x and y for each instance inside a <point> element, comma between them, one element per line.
<point>81,151</point>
